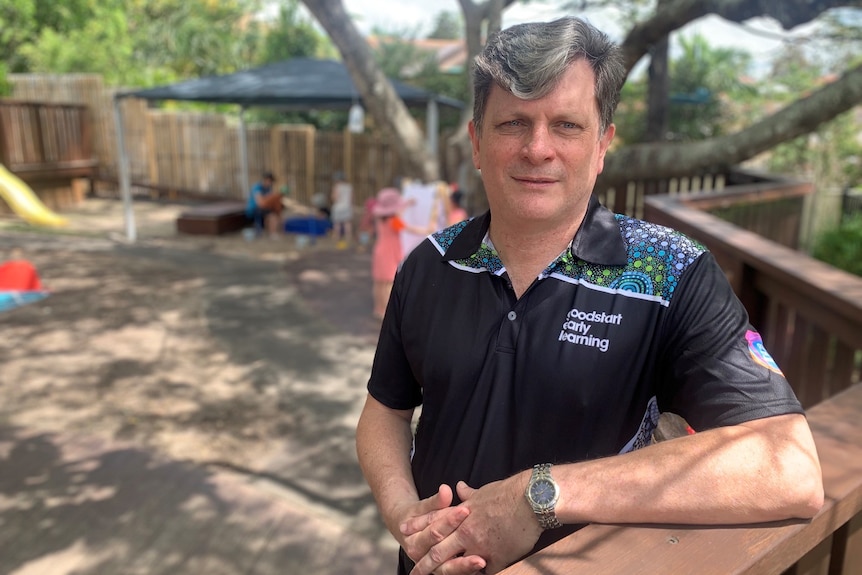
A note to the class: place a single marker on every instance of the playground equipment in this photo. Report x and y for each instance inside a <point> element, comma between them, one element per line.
<point>24,202</point>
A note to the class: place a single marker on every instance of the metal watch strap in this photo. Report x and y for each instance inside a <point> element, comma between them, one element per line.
<point>547,517</point>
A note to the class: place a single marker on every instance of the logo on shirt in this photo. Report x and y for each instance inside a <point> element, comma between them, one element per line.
<point>576,328</point>
<point>758,352</point>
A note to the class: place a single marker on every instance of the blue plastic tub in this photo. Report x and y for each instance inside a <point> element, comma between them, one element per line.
<point>309,225</point>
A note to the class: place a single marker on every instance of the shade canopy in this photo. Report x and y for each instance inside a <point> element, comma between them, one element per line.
<point>298,84</point>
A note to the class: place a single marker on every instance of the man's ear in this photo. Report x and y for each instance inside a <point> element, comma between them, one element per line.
<point>605,143</point>
<point>474,141</point>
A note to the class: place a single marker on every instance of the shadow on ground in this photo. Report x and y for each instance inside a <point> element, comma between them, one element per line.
<point>227,366</point>
<point>86,508</point>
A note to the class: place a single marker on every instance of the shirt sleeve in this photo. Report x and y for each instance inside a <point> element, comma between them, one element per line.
<point>392,382</point>
<point>714,369</point>
<point>396,223</point>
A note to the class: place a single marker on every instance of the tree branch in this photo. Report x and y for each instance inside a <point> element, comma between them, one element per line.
<point>677,13</point>
<point>648,161</point>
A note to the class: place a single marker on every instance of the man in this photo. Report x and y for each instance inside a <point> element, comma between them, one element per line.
<point>264,205</point>
<point>543,339</point>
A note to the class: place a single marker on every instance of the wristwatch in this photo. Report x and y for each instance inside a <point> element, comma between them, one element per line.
<point>542,494</point>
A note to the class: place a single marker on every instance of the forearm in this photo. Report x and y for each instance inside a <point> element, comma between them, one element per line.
<point>761,471</point>
<point>383,441</point>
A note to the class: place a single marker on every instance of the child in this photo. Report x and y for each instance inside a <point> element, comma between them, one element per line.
<point>366,224</point>
<point>342,210</point>
<point>387,252</point>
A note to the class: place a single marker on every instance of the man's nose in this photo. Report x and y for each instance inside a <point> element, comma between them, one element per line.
<point>538,146</point>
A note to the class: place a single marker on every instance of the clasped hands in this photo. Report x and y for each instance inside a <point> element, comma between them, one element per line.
<point>491,528</point>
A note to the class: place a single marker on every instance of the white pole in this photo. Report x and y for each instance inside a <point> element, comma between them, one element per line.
<point>243,154</point>
<point>125,176</point>
<point>432,126</point>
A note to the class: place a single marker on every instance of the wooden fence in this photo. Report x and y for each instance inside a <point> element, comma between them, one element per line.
<point>40,141</point>
<point>49,147</point>
<point>195,154</point>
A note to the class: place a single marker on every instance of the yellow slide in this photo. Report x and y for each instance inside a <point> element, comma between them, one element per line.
<point>25,202</point>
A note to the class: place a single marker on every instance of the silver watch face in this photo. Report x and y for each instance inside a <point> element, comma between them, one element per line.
<point>543,492</point>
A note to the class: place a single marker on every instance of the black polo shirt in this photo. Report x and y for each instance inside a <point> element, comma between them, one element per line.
<point>633,320</point>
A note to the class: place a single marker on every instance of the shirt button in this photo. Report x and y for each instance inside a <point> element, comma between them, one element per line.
<point>512,316</point>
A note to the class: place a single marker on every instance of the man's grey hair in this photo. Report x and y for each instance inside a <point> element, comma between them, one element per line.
<point>528,60</point>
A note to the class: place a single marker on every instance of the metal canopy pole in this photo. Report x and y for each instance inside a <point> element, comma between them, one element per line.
<point>125,176</point>
<point>243,154</point>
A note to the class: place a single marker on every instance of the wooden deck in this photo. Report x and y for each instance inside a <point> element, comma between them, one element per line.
<point>79,505</point>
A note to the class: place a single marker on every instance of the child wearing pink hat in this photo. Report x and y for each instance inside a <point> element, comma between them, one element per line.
<point>387,252</point>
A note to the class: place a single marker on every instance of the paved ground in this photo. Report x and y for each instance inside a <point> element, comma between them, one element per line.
<point>184,404</point>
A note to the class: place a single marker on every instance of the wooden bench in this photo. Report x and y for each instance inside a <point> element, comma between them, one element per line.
<point>213,219</point>
<point>831,543</point>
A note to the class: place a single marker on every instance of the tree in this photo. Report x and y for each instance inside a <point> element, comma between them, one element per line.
<point>700,80</point>
<point>638,161</point>
<point>22,21</point>
<point>131,42</point>
<point>383,104</point>
<point>193,37</point>
<point>447,26</point>
<point>291,36</point>
<point>5,85</point>
<point>400,57</point>
<point>49,52</point>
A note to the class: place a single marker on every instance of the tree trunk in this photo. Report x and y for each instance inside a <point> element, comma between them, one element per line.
<point>658,93</point>
<point>460,159</point>
<point>378,95</point>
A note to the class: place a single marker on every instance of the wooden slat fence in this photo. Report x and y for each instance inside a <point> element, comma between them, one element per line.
<point>43,142</point>
<point>197,154</point>
<point>90,91</point>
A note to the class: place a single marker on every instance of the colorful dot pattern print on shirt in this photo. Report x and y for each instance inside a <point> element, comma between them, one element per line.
<point>657,257</point>
<point>485,258</point>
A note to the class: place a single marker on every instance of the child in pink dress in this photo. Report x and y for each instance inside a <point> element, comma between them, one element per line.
<point>387,252</point>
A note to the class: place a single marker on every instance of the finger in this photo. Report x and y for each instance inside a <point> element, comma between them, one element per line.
<point>420,538</point>
<point>426,510</point>
<point>443,560</point>
<point>440,500</point>
<point>464,565</point>
<point>464,491</point>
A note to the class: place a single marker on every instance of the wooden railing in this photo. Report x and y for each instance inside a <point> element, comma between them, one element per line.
<point>45,142</point>
<point>831,543</point>
<point>810,315</point>
<point>808,312</point>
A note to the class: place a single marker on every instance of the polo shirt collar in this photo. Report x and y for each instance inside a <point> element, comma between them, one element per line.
<point>597,241</point>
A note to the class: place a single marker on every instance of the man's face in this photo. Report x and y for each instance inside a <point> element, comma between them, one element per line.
<point>540,158</point>
<point>267,182</point>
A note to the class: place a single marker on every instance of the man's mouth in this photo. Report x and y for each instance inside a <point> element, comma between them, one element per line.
<point>534,180</point>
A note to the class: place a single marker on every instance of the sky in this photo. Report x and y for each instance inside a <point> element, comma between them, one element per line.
<point>761,37</point>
